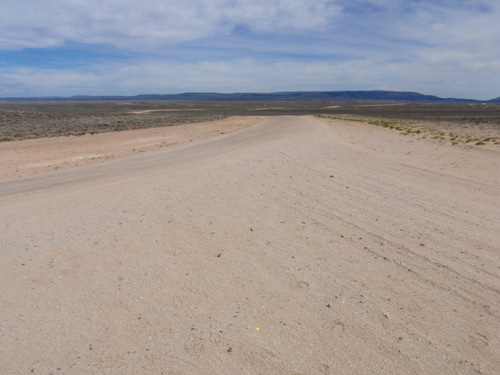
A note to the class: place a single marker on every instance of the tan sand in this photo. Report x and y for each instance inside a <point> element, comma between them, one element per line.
<point>294,246</point>
<point>26,157</point>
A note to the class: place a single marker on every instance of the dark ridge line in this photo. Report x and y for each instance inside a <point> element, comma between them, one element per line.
<point>373,95</point>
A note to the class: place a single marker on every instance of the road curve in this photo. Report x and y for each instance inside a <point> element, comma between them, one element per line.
<point>143,164</point>
<point>280,248</point>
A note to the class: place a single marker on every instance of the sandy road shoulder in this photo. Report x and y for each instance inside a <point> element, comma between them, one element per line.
<point>27,157</point>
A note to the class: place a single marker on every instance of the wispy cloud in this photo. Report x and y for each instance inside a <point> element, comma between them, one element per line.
<point>155,23</point>
<point>58,47</point>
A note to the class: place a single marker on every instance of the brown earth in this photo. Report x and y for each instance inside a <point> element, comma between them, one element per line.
<point>293,246</point>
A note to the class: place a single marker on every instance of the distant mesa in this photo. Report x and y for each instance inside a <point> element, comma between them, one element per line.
<point>347,96</point>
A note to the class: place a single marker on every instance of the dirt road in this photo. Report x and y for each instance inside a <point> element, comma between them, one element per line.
<point>295,246</point>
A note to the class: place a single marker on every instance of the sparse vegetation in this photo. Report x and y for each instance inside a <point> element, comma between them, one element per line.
<point>17,125</point>
<point>444,122</point>
<point>417,128</point>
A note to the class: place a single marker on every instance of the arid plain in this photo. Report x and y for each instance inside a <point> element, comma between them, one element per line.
<point>255,244</point>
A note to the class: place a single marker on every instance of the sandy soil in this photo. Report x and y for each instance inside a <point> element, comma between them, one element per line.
<point>293,246</point>
<point>20,158</point>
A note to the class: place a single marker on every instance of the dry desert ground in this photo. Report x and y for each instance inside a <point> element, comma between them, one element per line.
<point>268,245</point>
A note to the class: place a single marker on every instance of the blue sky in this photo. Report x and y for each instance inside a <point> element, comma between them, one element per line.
<point>447,48</point>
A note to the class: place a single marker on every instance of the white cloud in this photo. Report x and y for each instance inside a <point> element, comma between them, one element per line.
<point>148,24</point>
<point>446,48</point>
<point>17,82</point>
<point>247,75</point>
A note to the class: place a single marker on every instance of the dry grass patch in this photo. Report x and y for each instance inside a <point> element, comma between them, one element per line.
<point>461,134</point>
